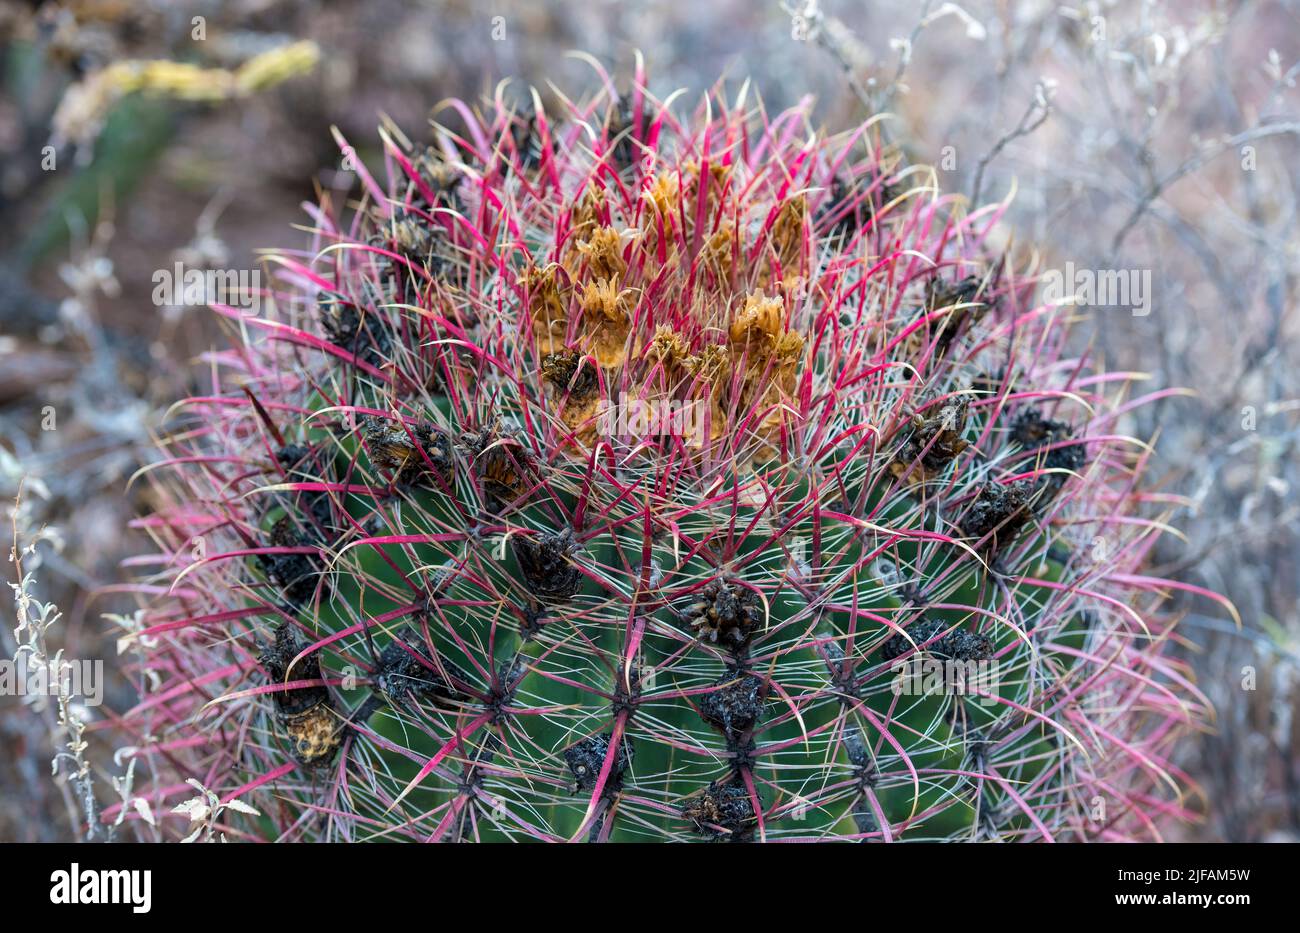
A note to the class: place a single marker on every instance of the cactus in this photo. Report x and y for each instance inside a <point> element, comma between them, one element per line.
<point>600,478</point>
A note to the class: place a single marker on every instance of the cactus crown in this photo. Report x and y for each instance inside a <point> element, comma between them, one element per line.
<point>592,478</point>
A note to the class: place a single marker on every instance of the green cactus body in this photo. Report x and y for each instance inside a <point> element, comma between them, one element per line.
<point>531,608</point>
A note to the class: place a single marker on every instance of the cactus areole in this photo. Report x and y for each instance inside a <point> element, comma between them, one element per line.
<point>628,474</point>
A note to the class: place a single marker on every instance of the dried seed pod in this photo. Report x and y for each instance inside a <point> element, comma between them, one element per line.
<point>566,371</point>
<point>393,446</point>
<point>999,512</point>
<point>406,674</point>
<point>339,318</point>
<point>504,466</point>
<point>942,294</point>
<point>723,811</point>
<point>959,297</point>
<point>296,574</point>
<point>586,758</point>
<point>544,561</point>
<point>305,714</point>
<point>962,645</point>
<point>365,333</point>
<point>440,177</point>
<point>316,734</point>
<point>572,381</point>
<point>1032,431</point>
<point>414,237</point>
<point>423,244</point>
<point>935,439</point>
<point>918,633</point>
<point>957,645</point>
<point>735,706</point>
<point>846,207</point>
<point>503,480</point>
<point>725,612</point>
<point>510,674</point>
<point>292,456</point>
<point>304,462</point>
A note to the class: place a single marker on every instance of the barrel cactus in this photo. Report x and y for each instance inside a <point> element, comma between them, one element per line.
<point>606,476</point>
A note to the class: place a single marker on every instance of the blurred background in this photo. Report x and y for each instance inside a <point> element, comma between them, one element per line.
<point>1153,136</point>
